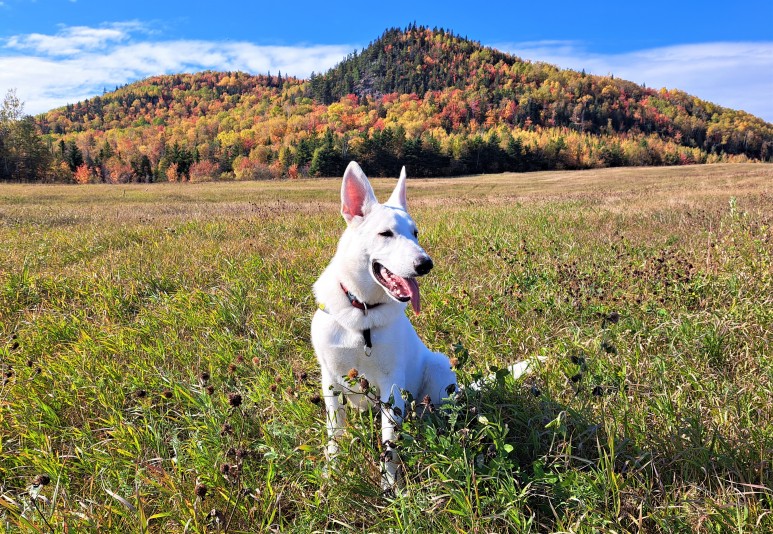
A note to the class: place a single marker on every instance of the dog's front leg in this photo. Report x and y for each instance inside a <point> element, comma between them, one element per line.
<point>392,410</point>
<point>335,415</point>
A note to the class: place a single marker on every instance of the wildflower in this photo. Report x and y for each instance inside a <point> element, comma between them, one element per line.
<point>353,373</point>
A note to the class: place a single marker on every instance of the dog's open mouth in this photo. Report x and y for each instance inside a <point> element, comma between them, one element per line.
<point>399,288</point>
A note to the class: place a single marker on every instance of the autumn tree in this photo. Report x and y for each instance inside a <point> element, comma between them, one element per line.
<point>23,155</point>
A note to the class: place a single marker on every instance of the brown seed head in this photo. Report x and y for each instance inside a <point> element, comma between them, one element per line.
<point>217,516</point>
<point>167,394</point>
<point>234,399</point>
<point>41,480</point>
<point>200,491</point>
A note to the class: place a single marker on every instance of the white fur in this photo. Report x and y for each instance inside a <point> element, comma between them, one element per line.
<point>398,360</point>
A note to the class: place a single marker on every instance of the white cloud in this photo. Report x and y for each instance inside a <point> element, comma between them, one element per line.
<point>734,75</point>
<point>76,63</point>
<point>70,41</point>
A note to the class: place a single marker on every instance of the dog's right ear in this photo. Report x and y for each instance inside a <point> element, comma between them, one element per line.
<point>357,196</point>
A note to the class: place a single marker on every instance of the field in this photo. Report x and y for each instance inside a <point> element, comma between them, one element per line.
<point>157,374</point>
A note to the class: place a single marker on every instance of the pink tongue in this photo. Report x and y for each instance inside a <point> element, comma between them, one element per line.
<point>413,287</point>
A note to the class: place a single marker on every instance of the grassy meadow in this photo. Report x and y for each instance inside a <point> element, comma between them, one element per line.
<point>157,374</point>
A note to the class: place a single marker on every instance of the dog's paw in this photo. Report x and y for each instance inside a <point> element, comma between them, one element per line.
<point>392,482</point>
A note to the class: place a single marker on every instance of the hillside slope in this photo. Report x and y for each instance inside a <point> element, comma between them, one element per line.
<point>422,97</point>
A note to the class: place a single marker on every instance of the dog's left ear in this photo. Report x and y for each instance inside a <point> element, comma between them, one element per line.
<point>397,199</point>
<point>357,196</point>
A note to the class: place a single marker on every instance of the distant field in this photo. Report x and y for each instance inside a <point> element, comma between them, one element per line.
<point>157,373</point>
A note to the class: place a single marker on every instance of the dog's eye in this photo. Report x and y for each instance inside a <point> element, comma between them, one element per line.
<point>386,233</point>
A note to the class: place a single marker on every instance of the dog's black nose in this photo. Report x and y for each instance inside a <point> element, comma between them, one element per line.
<point>424,266</point>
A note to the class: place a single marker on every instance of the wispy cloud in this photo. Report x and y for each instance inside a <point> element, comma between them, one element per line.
<point>72,40</point>
<point>79,62</point>
<point>737,75</point>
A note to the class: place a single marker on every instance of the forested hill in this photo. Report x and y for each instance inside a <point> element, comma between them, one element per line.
<point>426,98</point>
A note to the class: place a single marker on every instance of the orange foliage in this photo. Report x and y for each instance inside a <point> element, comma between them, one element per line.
<point>83,174</point>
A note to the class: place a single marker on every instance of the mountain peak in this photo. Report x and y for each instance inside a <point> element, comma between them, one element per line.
<point>414,60</point>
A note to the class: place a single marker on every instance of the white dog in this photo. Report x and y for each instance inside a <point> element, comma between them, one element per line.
<point>361,322</point>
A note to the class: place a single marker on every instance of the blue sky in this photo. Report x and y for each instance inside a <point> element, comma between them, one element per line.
<point>58,51</point>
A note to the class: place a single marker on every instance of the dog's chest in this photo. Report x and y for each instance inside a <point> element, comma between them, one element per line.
<point>352,352</point>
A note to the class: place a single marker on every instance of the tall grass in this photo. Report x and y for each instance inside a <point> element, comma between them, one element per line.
<point>157,374</point>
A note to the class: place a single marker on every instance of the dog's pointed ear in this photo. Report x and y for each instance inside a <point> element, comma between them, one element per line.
<point>357,197</point>
<point>398,195</point>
